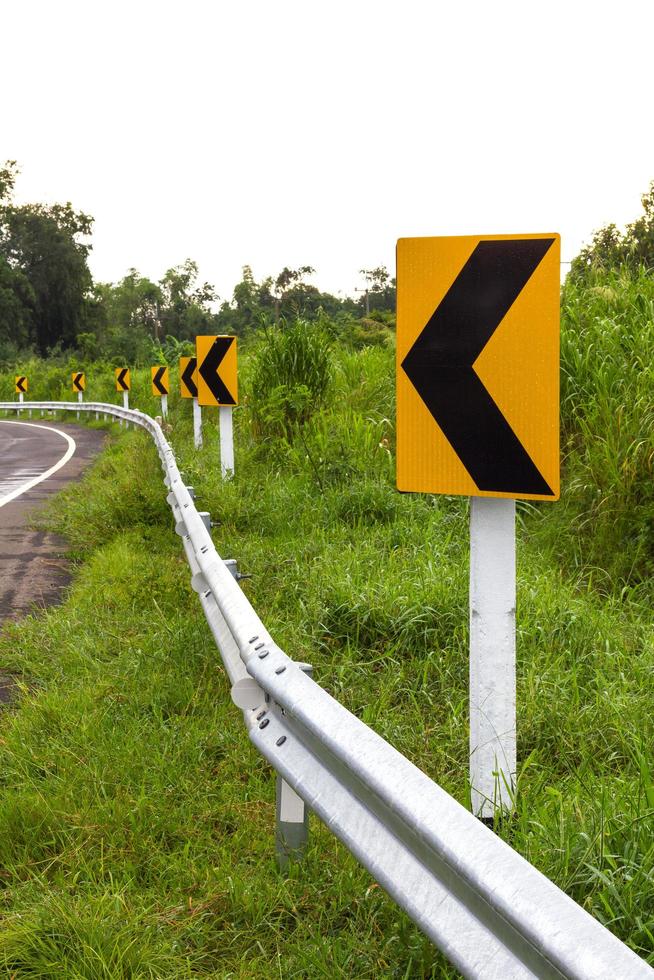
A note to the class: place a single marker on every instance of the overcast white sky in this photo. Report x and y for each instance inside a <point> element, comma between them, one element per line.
<point>286,133</point>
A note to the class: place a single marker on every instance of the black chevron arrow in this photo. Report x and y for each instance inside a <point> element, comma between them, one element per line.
<point>209,370</point>
<point>157,382</point>
<point>440,365</point>
<point>121,379</point>
<point>77,381</point>
<point>20,382</point>
<point>187,376</point>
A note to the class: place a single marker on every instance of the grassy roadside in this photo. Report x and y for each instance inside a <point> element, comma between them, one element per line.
<point>136,822</point>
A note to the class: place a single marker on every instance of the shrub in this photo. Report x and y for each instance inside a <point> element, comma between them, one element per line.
<point>291,373</point>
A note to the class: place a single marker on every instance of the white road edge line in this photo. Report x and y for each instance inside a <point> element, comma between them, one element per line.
<point>43,476</point>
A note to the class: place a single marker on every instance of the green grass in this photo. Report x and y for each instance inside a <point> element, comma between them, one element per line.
<point>136,820</point>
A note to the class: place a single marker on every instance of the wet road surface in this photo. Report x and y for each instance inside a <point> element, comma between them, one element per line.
<point>33,568</point>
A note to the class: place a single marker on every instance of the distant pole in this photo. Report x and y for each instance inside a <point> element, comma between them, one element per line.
<point>226,442</point>
<point>197,424</point>
<point>164,406</point>
<point>492,656</point>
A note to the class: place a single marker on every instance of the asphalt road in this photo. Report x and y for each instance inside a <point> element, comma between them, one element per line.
<point>32,563</point>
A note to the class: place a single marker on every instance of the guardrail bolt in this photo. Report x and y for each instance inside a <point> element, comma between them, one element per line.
<point>232,565</point>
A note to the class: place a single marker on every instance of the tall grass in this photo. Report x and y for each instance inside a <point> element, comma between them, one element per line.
<point>290,374</point>
<point>605,523</point>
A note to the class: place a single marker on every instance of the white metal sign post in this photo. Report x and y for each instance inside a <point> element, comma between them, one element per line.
<point>226,441</point>
<point>197,424</point>
<point>492,655</point>
<point>126,399</point>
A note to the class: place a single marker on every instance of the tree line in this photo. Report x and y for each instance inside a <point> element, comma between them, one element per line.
<point>49,302</point>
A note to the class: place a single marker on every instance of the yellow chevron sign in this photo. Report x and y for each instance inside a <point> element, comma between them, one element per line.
<point>79,381</point>
<point>188,377</point>
<point>21,384</point>
<point>123,379</point>
<point>160,380</point>
<point>478,365</point>
<point>217,372</point>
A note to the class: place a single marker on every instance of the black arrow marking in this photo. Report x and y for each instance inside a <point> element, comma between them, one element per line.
<point>187,376</point>
<point>120,378</point>
<point>20,382</point>
<point>77,381</point>
<point>209,370</point>
<point>158,383</point>
<point>440,365</point>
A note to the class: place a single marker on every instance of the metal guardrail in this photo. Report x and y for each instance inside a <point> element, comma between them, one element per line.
<point>492,913</point>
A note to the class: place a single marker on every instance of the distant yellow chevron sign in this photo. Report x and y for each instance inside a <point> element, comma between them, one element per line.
<point>123,379</point>
<point>160,380</point>
<point>188,377</point>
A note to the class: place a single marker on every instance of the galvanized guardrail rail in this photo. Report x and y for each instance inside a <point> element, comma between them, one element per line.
<point>491,912</point>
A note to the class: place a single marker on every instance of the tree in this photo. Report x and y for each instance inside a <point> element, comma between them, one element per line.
<point>17,301</point>
<point>611,248</point>
<point>379,293</point>
<point>129,315</point>
<point>43,246</point>
<point>290,281</point>
<point>185,307</point>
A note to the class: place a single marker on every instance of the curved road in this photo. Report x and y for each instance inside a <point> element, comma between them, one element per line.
<point>32,566</point>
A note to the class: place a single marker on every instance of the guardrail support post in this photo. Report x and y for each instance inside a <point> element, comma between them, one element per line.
<point>291,817</point>
<point>492,656</point>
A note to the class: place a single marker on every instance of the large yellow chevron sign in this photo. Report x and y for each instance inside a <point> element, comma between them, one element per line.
<point>478,365</point>
<point>217,376</point>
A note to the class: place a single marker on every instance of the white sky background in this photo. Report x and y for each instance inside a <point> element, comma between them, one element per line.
<point>291,133</point>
